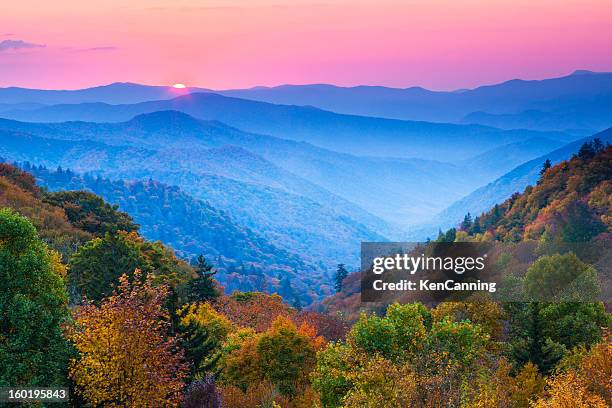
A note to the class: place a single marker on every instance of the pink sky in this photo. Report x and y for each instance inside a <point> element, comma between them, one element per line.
<point>438,44</point>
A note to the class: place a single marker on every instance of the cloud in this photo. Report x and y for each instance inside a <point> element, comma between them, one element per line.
<point>7,45</point>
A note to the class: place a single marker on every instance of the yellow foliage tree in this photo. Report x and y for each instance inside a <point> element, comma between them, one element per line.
<point>126,358</point>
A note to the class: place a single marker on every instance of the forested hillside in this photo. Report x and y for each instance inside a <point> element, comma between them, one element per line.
<point>244,260</point>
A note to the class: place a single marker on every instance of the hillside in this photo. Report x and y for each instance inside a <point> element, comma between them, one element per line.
<point>245,260</point>
<point>503,187</point>
<point>571,202</point>
<point>306,226</point>
<point>358,135</point>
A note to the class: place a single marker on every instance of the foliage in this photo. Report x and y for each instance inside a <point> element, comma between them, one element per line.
<point>19,192</point>
<point>33,307</point>
<point>126,357</point>
<point>569,390</point>
<point>202,394</point>
<point>203,330</point>
<point>544,332</point>
<point>283,355</point>
<point>88,212</point>
<point>561,278</point>
<point>559,205</point>
<point>485,313</point>
<point>406,343</point>
<point>96,266</point>
<point>253,309</point>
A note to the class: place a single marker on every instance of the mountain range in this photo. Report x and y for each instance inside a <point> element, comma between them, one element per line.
<point>304,172</point>
<point>580,102</point>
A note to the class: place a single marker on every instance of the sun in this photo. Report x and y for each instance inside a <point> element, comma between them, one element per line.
<point>179,86</point>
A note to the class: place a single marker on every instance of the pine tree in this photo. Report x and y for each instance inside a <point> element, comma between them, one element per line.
<point>547,165</point>
<point>201,350</point>
<point>467,222</point>
<point>203,287</point>
<point>341,274</point>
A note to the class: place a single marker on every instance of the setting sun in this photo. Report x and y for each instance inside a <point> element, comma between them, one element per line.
<point>179,86</point>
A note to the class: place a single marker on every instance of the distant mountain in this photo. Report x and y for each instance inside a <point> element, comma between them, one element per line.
<point>119,92</point>
<point>498,161</point>
<point>575,116</point>
<point>499,190</point>
<point>582,100</point>
<point>396,190</point>
<point>358,135</point>
<point>324,234</point>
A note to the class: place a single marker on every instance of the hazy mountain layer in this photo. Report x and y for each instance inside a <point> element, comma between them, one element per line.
<point>358,135</point>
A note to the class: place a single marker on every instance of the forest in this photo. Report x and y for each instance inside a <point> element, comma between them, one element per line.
<point>89,304</point>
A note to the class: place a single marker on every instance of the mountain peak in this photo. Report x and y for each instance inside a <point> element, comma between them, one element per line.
<point>162,119</point>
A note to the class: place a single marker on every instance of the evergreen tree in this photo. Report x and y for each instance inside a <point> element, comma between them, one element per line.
<point>341,274</point>
<point>203,287</point>
<point>586,151</point>
<point>467,222</point>
<point>547,165</point>
<point>201,350</point>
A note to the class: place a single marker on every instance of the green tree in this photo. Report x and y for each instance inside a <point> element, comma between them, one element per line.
<point>341,274</point>
<point>33,307</point>
<point>96,267</point>
<point>561,278</point>
<point>203,287</point>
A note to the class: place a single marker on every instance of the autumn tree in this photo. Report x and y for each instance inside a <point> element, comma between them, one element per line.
<point>405,343</point>
<point>33,307</point>
<point>284,355</point>
<point>126,357</point>
<point>253,309</point>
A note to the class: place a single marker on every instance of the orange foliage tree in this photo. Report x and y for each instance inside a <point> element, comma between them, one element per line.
<point>253,309</point>
<point>125,356</point>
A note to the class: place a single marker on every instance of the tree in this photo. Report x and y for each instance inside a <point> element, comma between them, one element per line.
<point>287,355</point>
<point>547,165</point>
<point>586,151</point>
<point>561,278</point>
<point>33,307</point>
<point>97,266</point>
<point>203,287</point>
<point>283,355</point>
<point>203,330</point>
<point>126,357</point>
<point>467,222</point>
<point>341,274</point>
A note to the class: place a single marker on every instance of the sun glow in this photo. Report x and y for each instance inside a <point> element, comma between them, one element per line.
<point>179,86</point>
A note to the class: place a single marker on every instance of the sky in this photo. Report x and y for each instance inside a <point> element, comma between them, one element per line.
<point>221,44</point>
